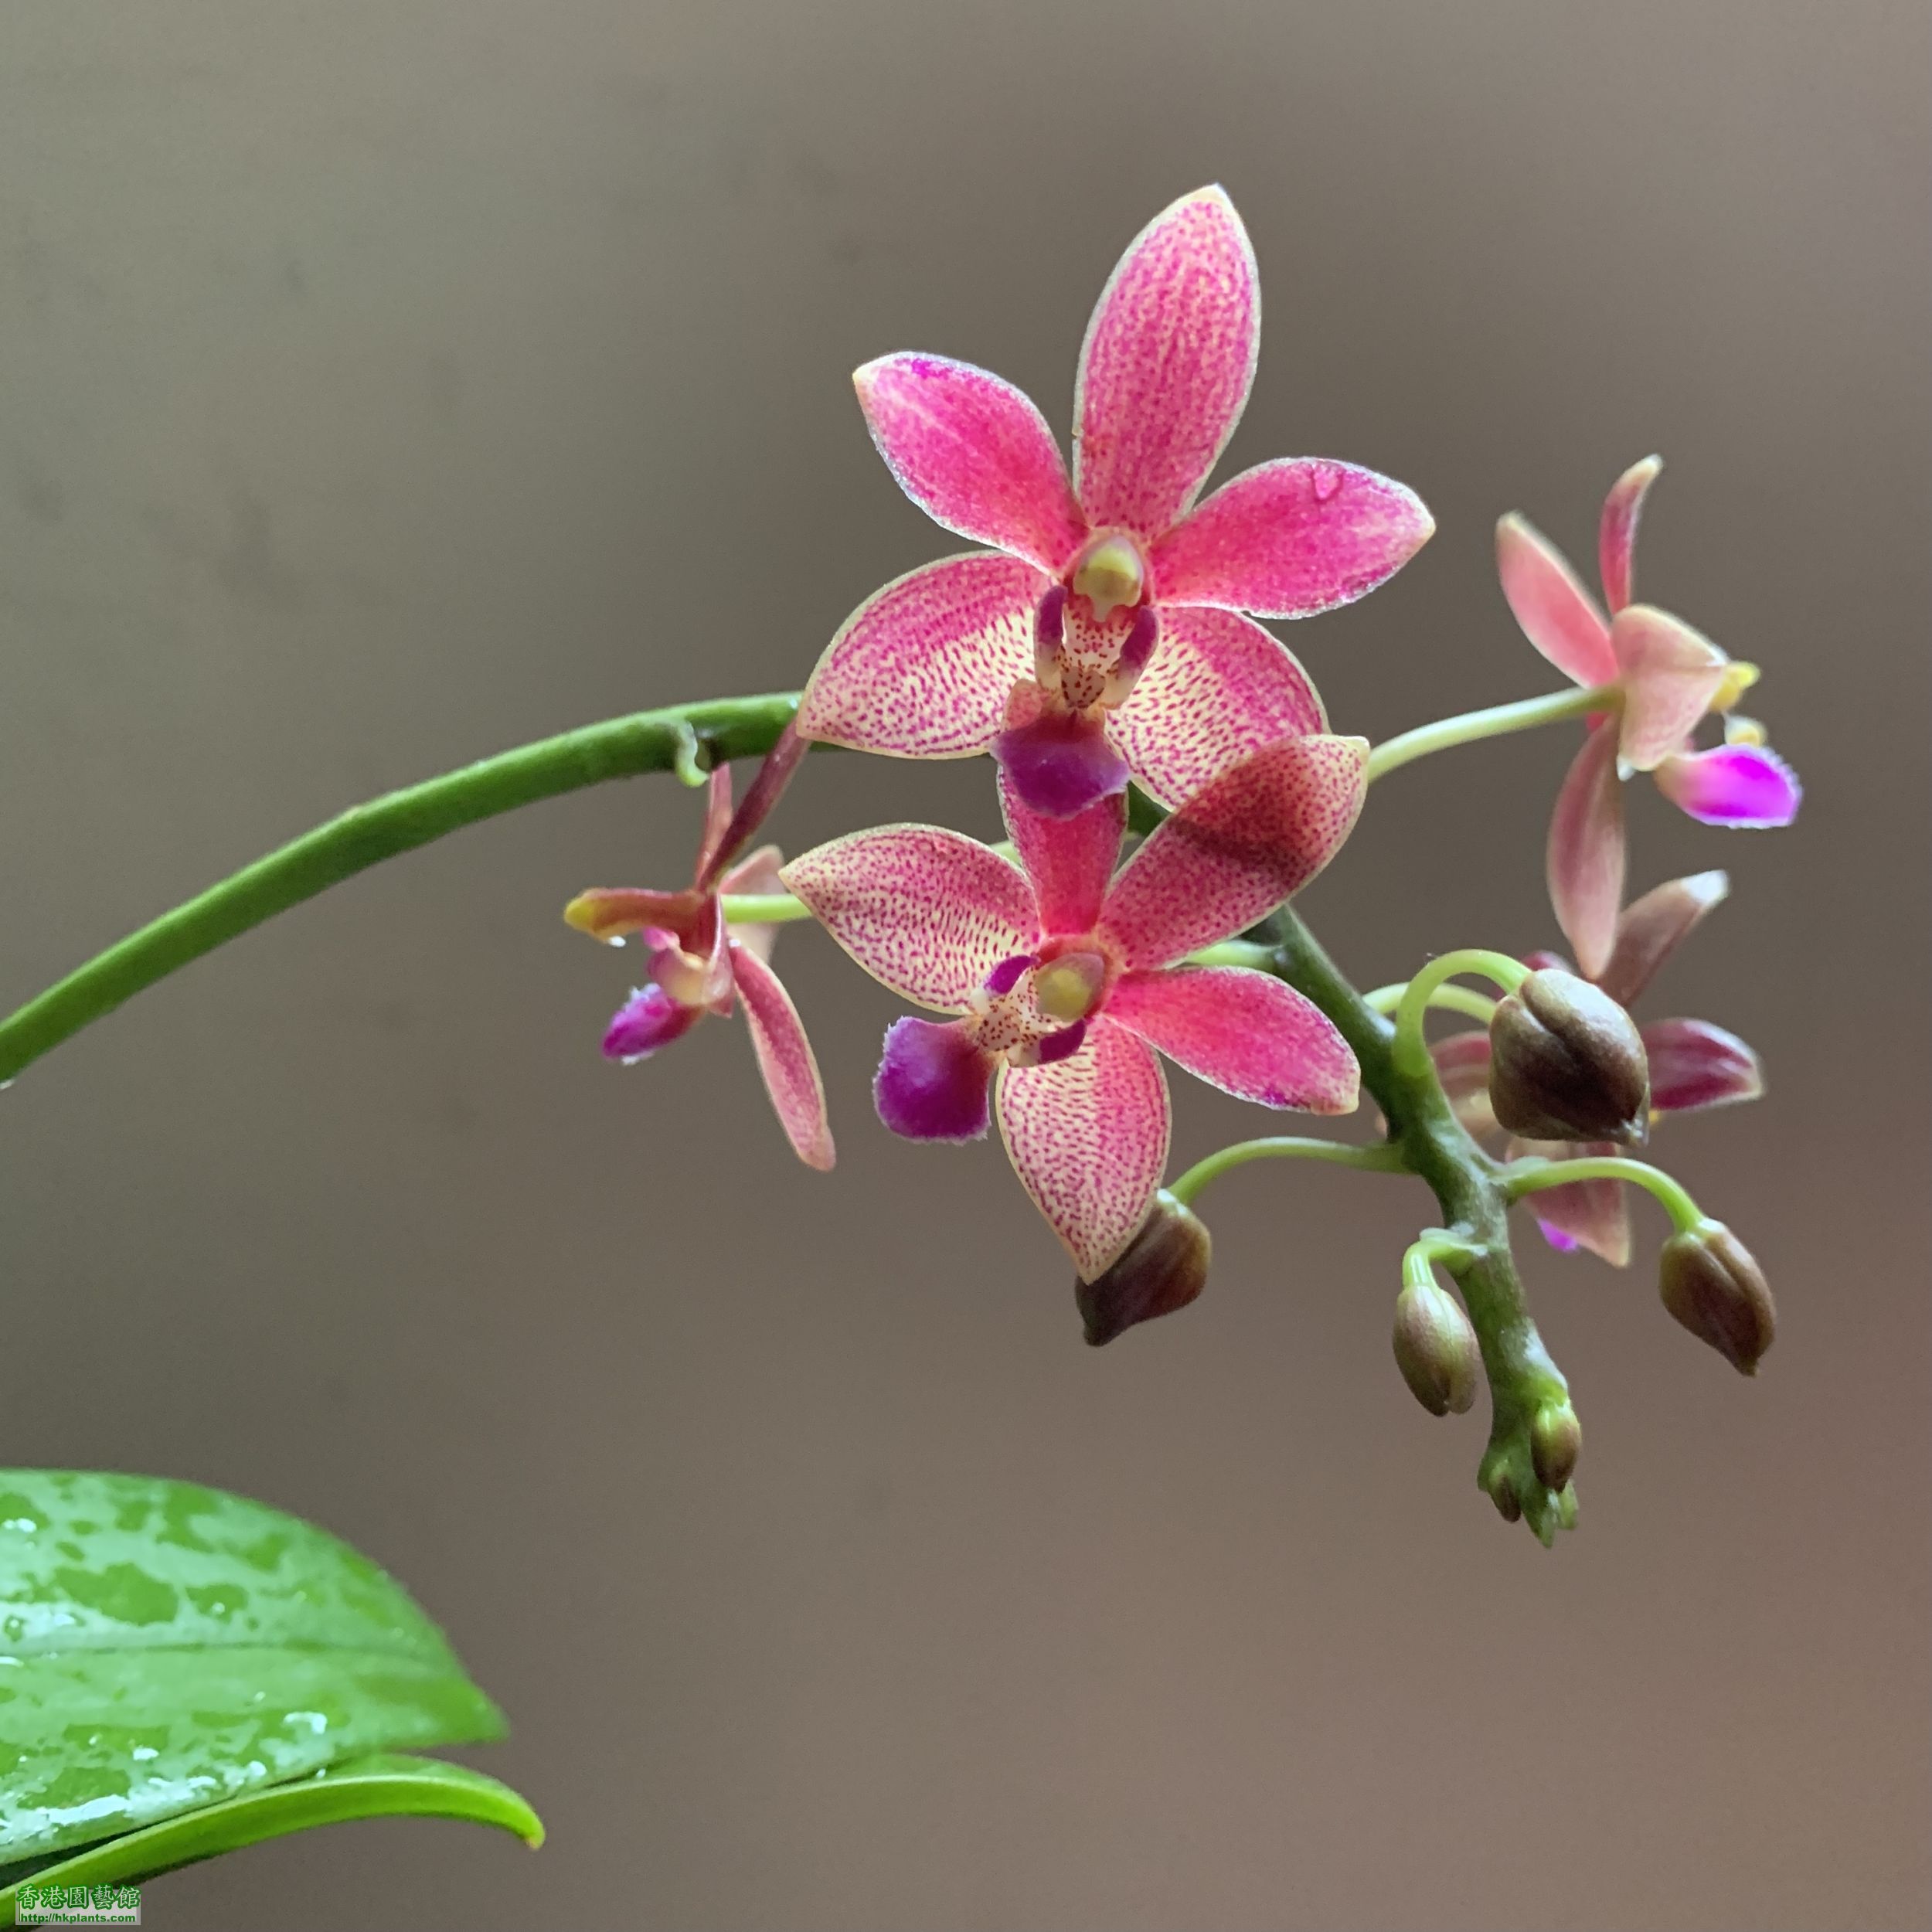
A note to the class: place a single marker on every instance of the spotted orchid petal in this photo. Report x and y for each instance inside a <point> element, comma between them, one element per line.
<point>973,452</point>
<point>785,1058</point>
<point>1617,530</point>
<point>1584,861</point>
<point>1581,1214</point>
<point>1068,861</point>
<point>1236,849</point>
<point>1248,1033</point>
<point>1462,1066</point>
<point>648,1019</point>
<point>1670,674</point>
<point>1088,1137</point>
<point>1557,615</point>
<point>1217,688</point>
<point>1746,786</point>
<point>924,669</point>
<point>1291,538</point>
<point>1694,1065</point>
<point>1166,366</point>
<point>1651,928</point>
<point>927,912</point>
<point>933,1082</point>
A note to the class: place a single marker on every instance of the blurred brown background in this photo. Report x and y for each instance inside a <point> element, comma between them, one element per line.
<point>385,384</point>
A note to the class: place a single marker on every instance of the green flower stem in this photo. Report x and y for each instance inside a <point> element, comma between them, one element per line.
<point>1471,725</point>
<point>685,735</point>
<point>1386,1158</point>
<point>1235,952</point>
<point>1411,1047</point>
<point>1525,1177</point>
<point>1436,1244</point>
<point>1468,1187</point>
<point>1444,999</point>
<point>762,909</point>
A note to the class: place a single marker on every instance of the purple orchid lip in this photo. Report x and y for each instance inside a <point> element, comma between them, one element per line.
<point>933,1081</point>
<point>1064,1044</point>
<point>649,1019</point>
<point>1007,974</point>
<point>1059,765</point>
<point>1742,785</point>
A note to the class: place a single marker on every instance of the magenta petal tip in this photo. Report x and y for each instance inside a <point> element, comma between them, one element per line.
<point>1748,786</point>
<point>933,1082</point>
<point>649,1019</point>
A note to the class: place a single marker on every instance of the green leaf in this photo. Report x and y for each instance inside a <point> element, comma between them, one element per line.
<point>164,1647</point>
<point>384,1787</point>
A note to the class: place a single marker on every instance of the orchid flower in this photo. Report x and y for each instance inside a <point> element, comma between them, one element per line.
<point>1105,635</point>
<point>1064,978</point>
<point>1669,678</point>
<point>697,964</point>
<point>1693,1065</point>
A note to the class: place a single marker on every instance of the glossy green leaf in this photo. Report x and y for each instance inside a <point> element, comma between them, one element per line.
<point>383,1787</point>
<point>164,1647</point>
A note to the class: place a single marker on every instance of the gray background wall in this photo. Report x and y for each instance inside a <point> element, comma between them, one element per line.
<point>385,384</point>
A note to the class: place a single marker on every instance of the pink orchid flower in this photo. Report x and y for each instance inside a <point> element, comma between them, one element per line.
<point>697,964</point>
<point>1693,1065</point>
<point>1064,977</point>
<point>1103,636</point>
<point>1669,676</point>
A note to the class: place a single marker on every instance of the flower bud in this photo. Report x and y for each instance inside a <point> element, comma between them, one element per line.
<point>1566,1063</point>
<point>1711,1284</point>
<point>1436,1348</point>
<point>1555,1439</point>
<point>1163,1268</point>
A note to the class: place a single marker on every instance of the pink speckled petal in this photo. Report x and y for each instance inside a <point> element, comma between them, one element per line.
<point>648,1019</point>
<point>1217,688</point>
<point>1462,1065</point>
<point>1246,1033</point>
<point>1295,536</point>
<point>1166,366</point>
<point>1060,763</point>
<point>1652,928</point>
<point>1584,861</point>
<point>973,454</point>
<point>784,1058</point>
<point>1557,615</point>
<point>1581,1214</point>
<point>1745,786</point>
<point>924,668</point>
<point>1236,849</point>
<point>1087,1137</point>
<point>1068,860</point>
<point>928,912</point>
<point>1617,530</point>
<point>1694,1065</point>
<point>933,1081</point>
<point>1670,674</point>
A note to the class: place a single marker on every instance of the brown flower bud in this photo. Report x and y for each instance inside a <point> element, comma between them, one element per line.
<point>1711,1284</point>
<point>1436,1348</point>
<point>1556,1440</point>
<point>1165,1267</point>
<point>1566,1063</point>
